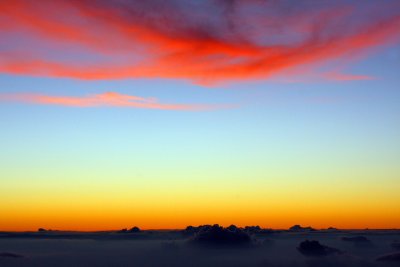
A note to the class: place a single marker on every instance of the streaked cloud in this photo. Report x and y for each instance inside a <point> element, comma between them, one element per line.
<point>108,99</point>
<point>338,76</point>
<point>204,41</point>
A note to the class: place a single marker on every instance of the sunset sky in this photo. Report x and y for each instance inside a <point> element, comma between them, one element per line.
<point>164,114</point>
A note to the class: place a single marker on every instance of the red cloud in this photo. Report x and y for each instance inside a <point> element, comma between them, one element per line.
<point>109,99</point>
<point>206,42</point>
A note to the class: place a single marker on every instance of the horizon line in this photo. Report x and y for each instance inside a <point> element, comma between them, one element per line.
<point>180,229</point>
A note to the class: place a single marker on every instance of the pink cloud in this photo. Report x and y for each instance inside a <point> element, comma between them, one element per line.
<point>338,76</point>
<point>108,99</point>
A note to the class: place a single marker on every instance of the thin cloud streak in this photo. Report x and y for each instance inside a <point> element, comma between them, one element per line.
<point>338,76</point>
<point>108,99</point>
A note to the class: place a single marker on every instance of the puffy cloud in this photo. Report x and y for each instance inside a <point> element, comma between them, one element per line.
<point>220,236</point>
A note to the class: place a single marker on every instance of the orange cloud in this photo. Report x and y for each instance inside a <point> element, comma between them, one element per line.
<point>205,42</point>
<point>108,99</point>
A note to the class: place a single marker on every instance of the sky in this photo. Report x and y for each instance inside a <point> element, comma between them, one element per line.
<point>164,114</point>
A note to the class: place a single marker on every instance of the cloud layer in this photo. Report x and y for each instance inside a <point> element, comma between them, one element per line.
<point>108,99</point>
<point>204,41</point>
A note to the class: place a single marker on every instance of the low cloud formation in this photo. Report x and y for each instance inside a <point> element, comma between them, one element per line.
<point>394,257</point>
<point>109,99</point>
<point>134,229</point>
<point>10,255</point>
<point>299,228</point>
<point>204,41</point>
<point>216,235</point>
<point>314,249</point>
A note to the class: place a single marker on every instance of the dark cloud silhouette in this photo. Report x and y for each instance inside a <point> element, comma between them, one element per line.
<point>393,257</point>
<point>232,228</point>
<point>10,255</point>
<point>191,230</point>
<point>218,235</point>
<point>134,229</point>
<point>252,229</point>
<point>299,228</point>
<point>171,249</point>
<point>314,249</point>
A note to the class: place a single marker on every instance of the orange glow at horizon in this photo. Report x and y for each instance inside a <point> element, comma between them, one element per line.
<point>96,133</point>
<point>93,213</point>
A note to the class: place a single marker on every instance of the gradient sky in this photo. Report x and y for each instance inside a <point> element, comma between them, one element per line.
<point>172,113</point>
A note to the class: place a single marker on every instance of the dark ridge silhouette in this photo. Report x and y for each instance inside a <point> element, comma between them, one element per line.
<point>10,255</point>
<point>218,235</point>
<point>356,239</point>
<point>192,230</point>
<point>394,257</point>
<point>196,229</point>
<point>299,228</point>
<point>42,230</point>
<point>189,228</point>
<point>253,229</point>
<point>314,249</point>
<point>395,245</point>
<point>232,228</point>
<point>333,229</point>
<point>134,229</point>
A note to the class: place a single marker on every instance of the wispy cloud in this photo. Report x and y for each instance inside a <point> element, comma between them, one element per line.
<point>108,99</point>
<point>338,76</point>
<point>205,41</point>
